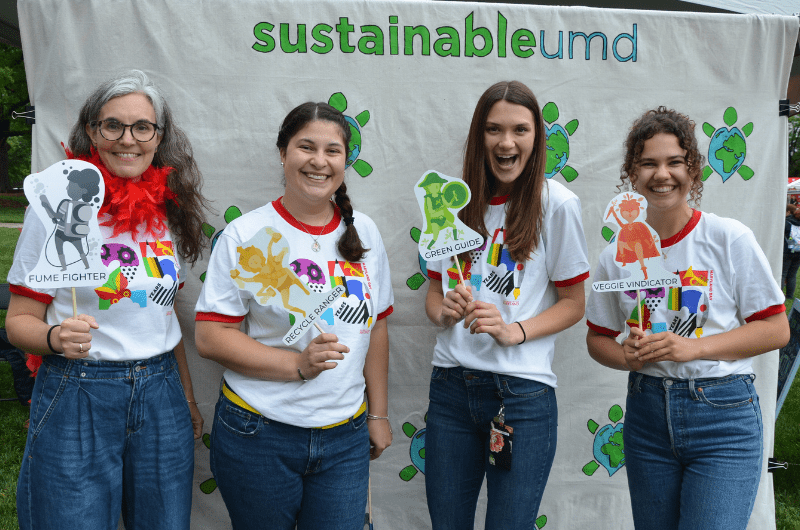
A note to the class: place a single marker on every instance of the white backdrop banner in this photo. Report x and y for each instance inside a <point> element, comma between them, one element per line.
<point>409,74</point>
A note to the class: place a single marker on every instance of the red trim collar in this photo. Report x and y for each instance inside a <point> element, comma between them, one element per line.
<point>494,201</point>
<point>684,231</point>
<point>289,218</point>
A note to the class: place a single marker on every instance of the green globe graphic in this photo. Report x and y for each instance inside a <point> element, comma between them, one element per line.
<point>728,148</point>
<point>558,144</point>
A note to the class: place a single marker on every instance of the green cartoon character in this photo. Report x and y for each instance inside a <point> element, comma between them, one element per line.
<point>440,197</point>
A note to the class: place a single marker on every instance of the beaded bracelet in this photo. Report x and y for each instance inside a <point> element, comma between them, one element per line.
<point>301,375</point>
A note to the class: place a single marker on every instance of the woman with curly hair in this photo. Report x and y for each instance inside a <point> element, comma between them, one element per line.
<point>693,430</point>
<point>113,413</point>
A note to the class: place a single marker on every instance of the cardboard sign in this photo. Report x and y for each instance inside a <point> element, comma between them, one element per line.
<point>440,198</point>
<point>638,247</point>
<point>67,196</point>
<point>265,271</point>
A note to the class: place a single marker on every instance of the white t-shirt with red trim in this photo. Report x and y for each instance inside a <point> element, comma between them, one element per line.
<point>519,290</point>
<point>134,307</point>
<point>725,282</point>
<point>335,394</point>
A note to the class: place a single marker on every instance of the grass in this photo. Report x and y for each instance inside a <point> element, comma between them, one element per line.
<point>12,444</point>
<point>12,414</point>
<point>787,449</point>
<point>12,209</point>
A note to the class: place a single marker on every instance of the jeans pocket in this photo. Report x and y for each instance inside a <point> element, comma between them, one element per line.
<point>522,388</point>
<point>727,395</point>
<point>438,374</point>
<point>173,378</point>
<point>50,389</point>
<point>359,421</point>
<point>237,420</point>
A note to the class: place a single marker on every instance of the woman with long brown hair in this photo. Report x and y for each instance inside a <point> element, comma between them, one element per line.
<point>493,411</point>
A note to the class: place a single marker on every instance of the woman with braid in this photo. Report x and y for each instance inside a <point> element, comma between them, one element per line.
<point>292,440</point>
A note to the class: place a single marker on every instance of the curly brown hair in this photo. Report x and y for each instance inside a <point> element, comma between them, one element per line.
<point>667,121</point>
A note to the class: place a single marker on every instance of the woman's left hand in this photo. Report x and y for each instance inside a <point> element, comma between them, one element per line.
<point>197,420</point>
<point>380,437</point>
<point>483,317</point>
<point>667,346</point>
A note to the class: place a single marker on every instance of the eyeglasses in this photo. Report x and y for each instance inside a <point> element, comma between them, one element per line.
<point>113,130</point>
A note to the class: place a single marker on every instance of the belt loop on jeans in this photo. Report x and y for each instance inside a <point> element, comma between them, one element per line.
<point>234,397</point>
<point>692,391</point>
<point>498,388</point>
<point>637,382</point>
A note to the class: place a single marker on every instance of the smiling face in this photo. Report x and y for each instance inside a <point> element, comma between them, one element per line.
<point>662,176</point>
<point>313,164</point>
<point>126,157</point>
<point>508,138</point>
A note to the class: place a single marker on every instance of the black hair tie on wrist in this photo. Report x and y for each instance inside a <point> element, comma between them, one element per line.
<point>524,336</point>
<point>348,221</point>
<point>50,344</point>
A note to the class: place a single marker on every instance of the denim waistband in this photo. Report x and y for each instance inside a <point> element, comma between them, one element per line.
<point>637,379</point>
<point>94,369</point>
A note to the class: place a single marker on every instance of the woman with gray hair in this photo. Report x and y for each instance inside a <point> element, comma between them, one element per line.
<point>113,411</point>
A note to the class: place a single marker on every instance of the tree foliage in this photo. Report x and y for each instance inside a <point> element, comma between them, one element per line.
<point>15,134</point>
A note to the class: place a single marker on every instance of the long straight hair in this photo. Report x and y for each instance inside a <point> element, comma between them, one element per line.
<point>524,212</point>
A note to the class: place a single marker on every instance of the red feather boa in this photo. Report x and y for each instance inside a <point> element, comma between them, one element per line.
<point>133,204</point>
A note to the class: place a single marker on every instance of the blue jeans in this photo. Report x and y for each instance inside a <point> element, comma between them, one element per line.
<point>462,403</point>
<point>106,438</point>
<point>693,451</point>
<point>274,475</point>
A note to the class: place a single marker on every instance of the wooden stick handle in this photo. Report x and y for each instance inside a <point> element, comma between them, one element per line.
<point>639,307</point>
<point>369,500</point>
<point>460,275</point>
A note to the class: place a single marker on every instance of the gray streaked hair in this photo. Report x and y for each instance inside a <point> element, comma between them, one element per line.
<point>175,151</point>
<point>133,81</point>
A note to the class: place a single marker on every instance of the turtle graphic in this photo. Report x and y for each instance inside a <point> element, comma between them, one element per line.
<point>418,278</point>
<point>209,485</point>
<point>416,450</point>
<point>558,144</point>
<point>608,448</point>
<point>339,102</point>
<point>728,148</point>
<point>233,212</point>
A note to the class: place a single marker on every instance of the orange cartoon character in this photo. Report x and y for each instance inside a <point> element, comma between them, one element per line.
<point>635,242</point>
<point>269,272</point>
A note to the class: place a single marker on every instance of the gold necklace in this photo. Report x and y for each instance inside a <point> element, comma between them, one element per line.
<point>316,246</point>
